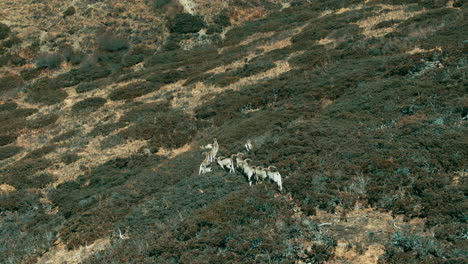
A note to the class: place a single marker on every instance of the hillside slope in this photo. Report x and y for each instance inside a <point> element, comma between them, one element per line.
<point>105,107</point>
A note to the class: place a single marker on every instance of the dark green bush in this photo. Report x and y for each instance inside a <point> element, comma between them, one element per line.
<point>9,151</point>
<point>8,106</point>
<point>89,104</point>
<point>41,152</point>
<point>111,43</point>
<point>64,136</point>
<point>42,121</point>
<point>222,19</point>
<point>132,91</point>
<point>7,139</point>
<point>22,174</point>
<point>69,158</point>
<point>51,61</point>
<point>4,31</point>
<point>10,82</point>
<point>158,4</point>
<point>46,91</point>
<point>186,23</point>
<point>69,12</point>
<point>29,74</point>
<point>86,87</point>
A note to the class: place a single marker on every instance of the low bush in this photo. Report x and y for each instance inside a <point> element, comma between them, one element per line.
<point>42,121</point>
<point>9,151</point>
<point>133,90</point>
<point>7,139</point>
<point>69,12</point>
<point>4,31</point>
<point>29,74</point>
<point>45,91</point>
<point>186,23</point>
<point>41,152</point>
<point>65,136</point>
<point>163,126</point>
<point>111,43</point>
<point>22,174</point>
<point>69,158</point>
<point>8,106</point>
<point>50,61</point>
<point>90,104</point>
<point>86,87</point>
<point>10,82</point>
<point>158,4</point>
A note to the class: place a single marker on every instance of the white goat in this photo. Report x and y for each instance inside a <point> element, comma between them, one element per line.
<point>247,170</point>
<point>260,172</point>
<point>214,150</point>
<point>248,145</point>
<point>225,163</point>
<point>275,176</point>
<point>205,163</point>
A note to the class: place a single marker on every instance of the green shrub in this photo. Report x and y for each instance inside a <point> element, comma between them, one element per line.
<point>158,4</point>
<point>222,19</point>
<point>111,43</point>
<point>4,31</point>
<point>22,174</point>
<point>132,91</point>
<point>8,106</point>
<point>10,82</point>
<point>51,61</point>
<point>64,136</point>
<point>9,151</point>
<point>46,91</point>
<point>69,158</point>
<point>41,152</point>
<point>7,139</point>
<point>86,87</point>
<point>29,74</point>
<point>90,104</point>
<point>69,12</point>
<point>42,121</point>
<point>186,23</point>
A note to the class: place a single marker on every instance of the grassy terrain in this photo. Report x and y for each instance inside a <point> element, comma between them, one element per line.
<point>360,104</point>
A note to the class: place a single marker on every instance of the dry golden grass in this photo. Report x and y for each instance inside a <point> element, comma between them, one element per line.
<point>397,12</point>
<point>6,189</point>
<point>60,255</point>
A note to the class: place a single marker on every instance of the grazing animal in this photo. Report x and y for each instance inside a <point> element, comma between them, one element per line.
<point>275,176</point>
<point>214,150</point>
<point>205,163</point>
<point>247,170</point>
<point>225,163</point>
<point>248,145</point>
<point>260,172</point>
<point>209,146</point>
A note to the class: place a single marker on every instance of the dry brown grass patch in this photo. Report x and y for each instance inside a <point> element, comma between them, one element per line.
<point>59,254</point>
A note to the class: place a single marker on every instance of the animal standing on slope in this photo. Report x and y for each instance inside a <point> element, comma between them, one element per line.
<point>275,176</point>
<point>225,163</point>
<point>248,145</point>
<point>261,172</point>
<point>247,170</point>
<point>214,150</point>
<point>205,163</point>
